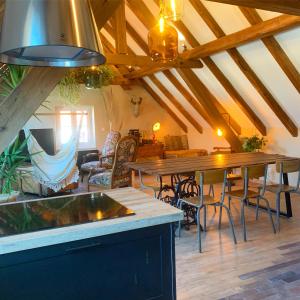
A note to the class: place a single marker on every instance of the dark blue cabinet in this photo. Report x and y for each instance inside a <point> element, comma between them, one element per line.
<point>137,264</point>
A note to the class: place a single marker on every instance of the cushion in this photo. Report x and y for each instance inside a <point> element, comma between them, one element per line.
<point>103,178</point>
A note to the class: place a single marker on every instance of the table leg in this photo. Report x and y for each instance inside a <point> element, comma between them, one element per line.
<point>289,212</point>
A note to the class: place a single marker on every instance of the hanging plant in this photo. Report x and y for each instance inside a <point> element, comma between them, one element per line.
<point>97,76</point>
<point>69,87</point>
<point>12,76</point>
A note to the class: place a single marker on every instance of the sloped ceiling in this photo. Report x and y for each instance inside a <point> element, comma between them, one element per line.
<point>268,72</point>
<point>253,88</point>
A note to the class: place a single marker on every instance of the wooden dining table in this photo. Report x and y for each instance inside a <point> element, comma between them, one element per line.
<point>184,165</point>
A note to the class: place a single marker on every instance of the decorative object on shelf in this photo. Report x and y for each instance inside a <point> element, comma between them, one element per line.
<point>163,40</point>
<point>172,9</point>
<point>136,103</point>
<point>155,129</point>
<point>97,76</point>
<point>11,159</point>
<point>11,76</point>
<point>253,143</point>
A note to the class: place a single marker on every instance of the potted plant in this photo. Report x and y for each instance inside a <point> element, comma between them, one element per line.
<point>11,159</point>
<point>253,143</point>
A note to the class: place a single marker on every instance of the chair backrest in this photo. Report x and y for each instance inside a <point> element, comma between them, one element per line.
<point>125,152</point>
<point>251,172</point>
<point>176,142</point>
<point>288,166</point>
<point>211,177</point>
<point>109,146</point>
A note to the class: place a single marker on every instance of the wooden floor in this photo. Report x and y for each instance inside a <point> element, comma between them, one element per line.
<point>267,266</point>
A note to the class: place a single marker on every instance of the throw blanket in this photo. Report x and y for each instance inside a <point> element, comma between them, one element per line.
<point>57,171</point>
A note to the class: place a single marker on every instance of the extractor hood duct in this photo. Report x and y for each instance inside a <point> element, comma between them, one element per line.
<point>57,33</point>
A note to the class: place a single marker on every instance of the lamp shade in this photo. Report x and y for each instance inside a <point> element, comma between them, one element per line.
<point>163,42</point>
<point>59,33</point>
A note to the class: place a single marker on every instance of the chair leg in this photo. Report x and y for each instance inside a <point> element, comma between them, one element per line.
<point>278,211</point>
<point>204,218</point>
<point>269,212</point>
<point>243,219</point>
<point>257,208</point>
<point>231,222</point>
<point>199,230</point>
<point>179,222</point>
<point>220,216</point>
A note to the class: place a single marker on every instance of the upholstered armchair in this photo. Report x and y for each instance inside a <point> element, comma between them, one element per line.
<point>120,175</point>
<point>94,163</point>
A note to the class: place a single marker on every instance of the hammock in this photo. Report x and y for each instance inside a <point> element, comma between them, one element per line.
<point>54,171</point>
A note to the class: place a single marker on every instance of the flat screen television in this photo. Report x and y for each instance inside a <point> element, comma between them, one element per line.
<point>45,137</point>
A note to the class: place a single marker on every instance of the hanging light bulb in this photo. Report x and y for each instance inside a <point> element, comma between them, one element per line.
<point>172,9</point>
<point>163,41</point>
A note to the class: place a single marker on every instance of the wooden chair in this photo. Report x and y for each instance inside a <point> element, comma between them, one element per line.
<point>120,175</point>
<point>202,201</point>
<point>284,167</point>
<point>250,172</point>
<point>94,163</point>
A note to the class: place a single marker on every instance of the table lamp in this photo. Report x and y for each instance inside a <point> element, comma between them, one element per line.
<point>155,128</point>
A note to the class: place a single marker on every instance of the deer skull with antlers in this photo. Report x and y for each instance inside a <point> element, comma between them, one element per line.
<point>136,102</point>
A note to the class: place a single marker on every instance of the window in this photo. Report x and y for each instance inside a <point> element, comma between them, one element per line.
<point>68,121</point>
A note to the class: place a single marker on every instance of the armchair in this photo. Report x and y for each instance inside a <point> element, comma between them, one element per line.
<point>94,163</point>
<point>120,175</point>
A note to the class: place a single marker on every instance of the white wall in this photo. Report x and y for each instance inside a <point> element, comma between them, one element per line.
<point>122,118</point>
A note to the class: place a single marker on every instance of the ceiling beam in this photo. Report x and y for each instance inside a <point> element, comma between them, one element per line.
<point>163,105</point>
<point>103,10</point>
<point>147,18</point>
<point>291,7</point>
<point>176,103</point>
<point>252,33</point>
<point>215,71</point>
<point>275,49</point>
<point>119,21</point>
<point>184,92</point>
<point>20,105</point>
<point>246,69</point>
<point>207,101</point>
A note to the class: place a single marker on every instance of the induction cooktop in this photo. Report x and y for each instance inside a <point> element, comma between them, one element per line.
<point>36,215</point>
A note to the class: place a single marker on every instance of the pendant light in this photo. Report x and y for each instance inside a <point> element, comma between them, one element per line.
<point>58,33</point>
<point>163,40</point>
<point>92,78</point>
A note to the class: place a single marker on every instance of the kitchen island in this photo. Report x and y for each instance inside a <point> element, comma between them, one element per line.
<point>129,257</point>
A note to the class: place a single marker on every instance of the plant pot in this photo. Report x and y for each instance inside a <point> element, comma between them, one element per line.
<point>9,197</point>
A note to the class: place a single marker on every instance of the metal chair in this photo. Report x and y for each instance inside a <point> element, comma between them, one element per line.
<point>202,201</point>
<point>284,167</point>
<point>250,172</point>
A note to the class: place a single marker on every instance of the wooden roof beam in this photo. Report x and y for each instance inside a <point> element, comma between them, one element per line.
<point>275,49</point>
<point>291,7</point>
<point>163,105</point>
<point>146,17</point>
<point>176,103</point>
<point>246,69</point>
<point>18,107</point>
<point>119,21</point>
<point>252,33</point>
<point>236,97</point>
<point>207,101</point>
